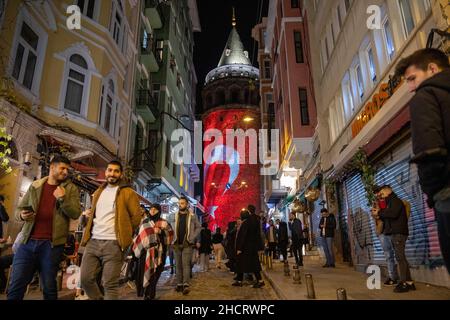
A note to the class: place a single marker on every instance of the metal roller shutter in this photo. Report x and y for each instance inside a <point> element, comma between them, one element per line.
<point>422,247</point>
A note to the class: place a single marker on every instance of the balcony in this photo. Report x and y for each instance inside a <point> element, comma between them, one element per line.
<point>148,58</point>
<point>146,106</point>
<point>153,13</point>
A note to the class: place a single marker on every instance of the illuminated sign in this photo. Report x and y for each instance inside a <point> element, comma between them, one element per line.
<point>372,107</point>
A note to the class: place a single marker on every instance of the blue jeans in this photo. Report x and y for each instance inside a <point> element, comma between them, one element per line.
<point>388,248</point>
<point>328,248</point>
<point>35,255</point>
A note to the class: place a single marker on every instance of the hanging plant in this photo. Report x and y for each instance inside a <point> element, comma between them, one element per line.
<point>362,164</point>
<point>5,149</point>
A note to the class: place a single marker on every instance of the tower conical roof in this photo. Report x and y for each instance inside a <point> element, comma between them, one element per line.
<point>234,52</point>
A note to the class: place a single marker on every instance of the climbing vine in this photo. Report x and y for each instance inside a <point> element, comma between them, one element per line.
<point>361,163</point>
<point>5,149</point>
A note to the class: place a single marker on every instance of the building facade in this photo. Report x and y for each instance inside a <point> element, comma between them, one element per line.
<point>65,90</point>
<point>364,121</point>
<point>287,43</point>
<point>165,89</point>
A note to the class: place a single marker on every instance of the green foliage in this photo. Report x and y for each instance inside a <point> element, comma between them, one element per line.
<point>5,151</point>
<point>361,163</point>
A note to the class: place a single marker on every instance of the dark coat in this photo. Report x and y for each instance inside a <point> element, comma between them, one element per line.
<point>217,238</point>
<point>330,226</point>
<point>430,127</point>
<point>283,236</point>
<point>296,230</point>
<point>394,216</point>
<point>3,218</point>
<point>205,241</point>
<point>247,241</point>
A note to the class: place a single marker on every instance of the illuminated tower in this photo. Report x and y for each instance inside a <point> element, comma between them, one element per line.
<point>231,101</point>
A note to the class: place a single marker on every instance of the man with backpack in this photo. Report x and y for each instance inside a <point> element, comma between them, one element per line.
<point>427,73</point>
<point>395,221</point>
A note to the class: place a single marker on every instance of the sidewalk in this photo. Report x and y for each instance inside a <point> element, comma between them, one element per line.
<point>328,280</point>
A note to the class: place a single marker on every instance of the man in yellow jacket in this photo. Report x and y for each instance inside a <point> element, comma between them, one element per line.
<point>115,213</point>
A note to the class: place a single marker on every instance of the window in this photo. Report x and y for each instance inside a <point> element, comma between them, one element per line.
<point>26,56</point>
<point>388,39</point>
<point>304,107</point>
<point>75,87</point>
<point>294,3</point>
<point>359,80</point>
<point>349,106</point>
<point>407,17</point>
<point>87,7</point>
<point>267,69</point>
<point>298,47</point>
<point>372,68</point>
<point>117,27</point>
<point>109,110</point>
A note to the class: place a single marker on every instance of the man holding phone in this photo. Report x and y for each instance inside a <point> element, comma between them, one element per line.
<point>46,209</point>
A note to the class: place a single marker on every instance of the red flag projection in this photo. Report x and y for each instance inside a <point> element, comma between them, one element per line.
<point>234,183</point>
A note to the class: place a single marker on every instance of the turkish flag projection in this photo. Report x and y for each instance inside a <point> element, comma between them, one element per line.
<point>231,183</point>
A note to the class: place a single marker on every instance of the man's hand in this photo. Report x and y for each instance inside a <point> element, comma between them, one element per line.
<point>59,192</point>
<point>87,213</point>
<point>198,245</point>
<point>27,215</point>
<point>2,240</point>
<point>239,252</point>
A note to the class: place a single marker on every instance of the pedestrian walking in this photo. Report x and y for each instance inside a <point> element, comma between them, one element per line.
<point>248,244</point>
<point>205,247</point>
<point>271,239</point>
<point>47,208</point>
<point>230,245</point>
<point>217,240</point>
<point>427,73</point>
<point>114,215</point>
<point>283,239</point>
<point>187,230</point>
<point>327,227</point>
<point>295,225</point>
<point>153,240</point>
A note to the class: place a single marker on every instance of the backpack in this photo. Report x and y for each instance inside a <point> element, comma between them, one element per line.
<point>407,208</point>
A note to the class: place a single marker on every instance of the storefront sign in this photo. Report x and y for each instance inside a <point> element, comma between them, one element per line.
<point>372,107</point>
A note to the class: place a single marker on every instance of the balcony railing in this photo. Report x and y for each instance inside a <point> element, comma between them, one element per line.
<point>146,105</point>
<point>154,14</point>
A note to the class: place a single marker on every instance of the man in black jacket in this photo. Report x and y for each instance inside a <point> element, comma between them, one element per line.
<point>427,73</point>
<point>295,225</point>
<point>396,225</point>
<point>327,225</point>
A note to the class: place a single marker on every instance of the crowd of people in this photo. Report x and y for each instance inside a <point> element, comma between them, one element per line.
<point>115,225</point>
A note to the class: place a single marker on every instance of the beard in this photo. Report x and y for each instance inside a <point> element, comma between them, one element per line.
<point>112,180</point>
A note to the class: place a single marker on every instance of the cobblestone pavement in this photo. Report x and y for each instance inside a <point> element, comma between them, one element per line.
<point>212,285</point>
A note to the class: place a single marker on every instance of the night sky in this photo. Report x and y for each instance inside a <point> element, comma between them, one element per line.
<point>215,20</point>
